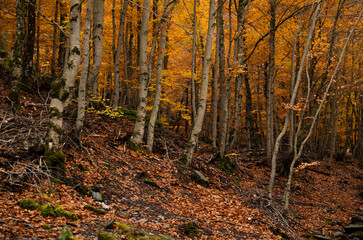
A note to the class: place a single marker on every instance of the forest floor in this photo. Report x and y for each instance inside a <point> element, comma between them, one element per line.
<point>154,192</point>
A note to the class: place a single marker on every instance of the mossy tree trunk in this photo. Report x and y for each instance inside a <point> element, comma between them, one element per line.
<point>54,157</point>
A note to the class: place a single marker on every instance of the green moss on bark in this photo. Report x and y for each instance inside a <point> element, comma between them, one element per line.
<point>54,112</point>
<point>105,236</point>
<point>55,160</point>
<point>95,210</point>
<point>60,212</point>
<point>47,211</point>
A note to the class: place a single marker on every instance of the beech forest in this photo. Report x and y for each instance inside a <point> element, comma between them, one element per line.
<point>181,119</point>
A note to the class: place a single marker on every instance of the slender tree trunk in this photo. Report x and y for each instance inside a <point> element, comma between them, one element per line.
<point>159,65</point>
<point>296,157</point>
<point>194,57</point>
<point>222,80</point>
<point>215,92</point>
<point>38,47</point>
<point>243,6</point>
<point>143,77</point>
<point>292,99</point>
<point>18,53</point>
<point>29,47</point>
<point>116,70</point>
<point>98,15</point>
<point>62,38</point>
<point>270,83</point>
<point>60,93</point>
<point>82,90</point>
<point>197,126</point>
<point>55,29</point>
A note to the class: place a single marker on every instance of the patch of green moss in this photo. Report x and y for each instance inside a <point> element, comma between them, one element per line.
<point>124,228</point>
<point>329,222</point>
<point>56,88</point>
<point>46,226</point>
<point>47,210</point>
<point>95,210</point>
<point>66,234</point>
<point>105,236</point>
<point>191,230</point>
<point>60,212</point>
<point>27,203</point>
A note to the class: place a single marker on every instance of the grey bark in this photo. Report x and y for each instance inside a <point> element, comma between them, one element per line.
<point>197,126</point>
<point>55,28</point>
<point>143,77</point>
<point>194,57</point>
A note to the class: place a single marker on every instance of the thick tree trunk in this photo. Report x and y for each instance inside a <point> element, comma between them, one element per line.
<point>82,90</point>
<point>138,132</point>
<point>60,93</point>
<point>97,46</point>
<point>197,126</point>
<point>116,70</point>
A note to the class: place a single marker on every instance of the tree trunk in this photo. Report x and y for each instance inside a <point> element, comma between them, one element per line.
<point>143,77</point>
<point>27,79</point>
<point>18,53</point>
<point>194,57</point>
<point>222,80</point>
<point>292,100</point>
<point>270,83</point>
<point>243,6</point>
<point>82,90</point>
<point>98,15</point>
<point>159,65</point>
<point>55,29</point>
<point>197,126</point>
<point>60,93</point>
<point>116,70</point>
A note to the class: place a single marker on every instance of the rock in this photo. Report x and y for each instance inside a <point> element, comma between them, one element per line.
<point>321,237</point>
<point>30,226</point>
<point>166,225</point>
<point>97,196</point>
<point>215,196</point>
<point>338,234</point>
<point>356,235</point>
<point>143,220</point>
<point>199,178</point>
<point>356,219</point>
<point>109,223</point>
<point>351,228</point>
<point>72,224</point>
<point>94,209</point>
<point>161,217</point>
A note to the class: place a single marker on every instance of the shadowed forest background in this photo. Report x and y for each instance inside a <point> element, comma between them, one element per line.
<point>169,103</point>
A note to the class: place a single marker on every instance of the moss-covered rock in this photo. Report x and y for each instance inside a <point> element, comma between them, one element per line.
<point>27,203</point>
<point>95,210</point>
<point>47,210</point>
<point>60,212</point>
<point>134,233</point>
<point>105,236</point>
